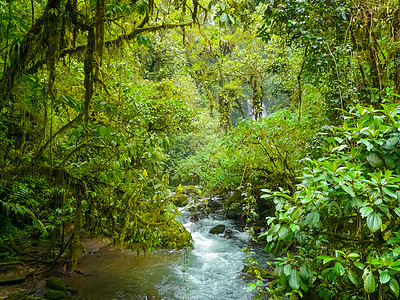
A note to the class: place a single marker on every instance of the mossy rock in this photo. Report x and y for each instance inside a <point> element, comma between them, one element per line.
<point>179,200</point>
<point>176,236</point>
<point>217,229</point>
<point>54,295</point>
<point>255,271</point>
<point>55,283</point>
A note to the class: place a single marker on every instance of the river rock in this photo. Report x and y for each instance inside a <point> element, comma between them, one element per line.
<point>228,234</point>
<point>217,229</point>
<point>55,283</point>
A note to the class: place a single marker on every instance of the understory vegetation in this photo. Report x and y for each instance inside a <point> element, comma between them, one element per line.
<point>288,110</point>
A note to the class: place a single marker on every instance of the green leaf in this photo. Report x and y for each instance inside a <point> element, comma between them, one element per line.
<point>274,229</point>
<point>328,259</point>
<point>389,192</point>
<point>366,211</point>
<point>224,19</point>
<point>394,286</point>
<point>287,269</point>
<point>384,277</point>
<point>283,232</point>
<point>251,286</point>
<point>312,218</point>
<point>374,160</point>
<point>374,222</point>
<point>353,255</point>
<point>348,190</point>
<point>353,277</point>
<point>359,265</point>
<point>397,211</point>
<point>143,39</point>
<point>339,268</point>
<point>369,283</point>
<point>294,280</point>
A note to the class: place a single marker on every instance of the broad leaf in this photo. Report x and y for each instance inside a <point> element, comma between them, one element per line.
<point>374,222</point>
<point>294,280</point>
<point>394,286</point>
<point>384,277</point>
<point>339,268</point>
<point>369,283</point>
<point>348,190</point>
<point>353,277</point>
<point>366,211</point>
<point>374,160</point>
<point>287,269</point>
<point>312,219</point>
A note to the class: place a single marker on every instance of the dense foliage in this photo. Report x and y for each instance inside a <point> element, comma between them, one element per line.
<point>339,231</point>
<point>105,103</point>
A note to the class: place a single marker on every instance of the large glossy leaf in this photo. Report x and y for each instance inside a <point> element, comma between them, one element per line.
<point>394,286</point>
<point>366,211</point>
<point>283,232</point>
<point>369,283</point>
<point>339,268</point>
<point>353,277</point>
<point>348,190</point>
<point>312,218</point>
<point>389,192</point>
<point>374,160</point>
<point>384,277</point>
<point>287,269</point>
<point>294,280</point>
<point>374,222</point>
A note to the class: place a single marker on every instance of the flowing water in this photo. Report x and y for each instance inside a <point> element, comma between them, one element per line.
<point>209,270</point>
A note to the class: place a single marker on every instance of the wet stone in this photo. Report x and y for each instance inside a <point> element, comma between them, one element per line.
<point>217,229</point>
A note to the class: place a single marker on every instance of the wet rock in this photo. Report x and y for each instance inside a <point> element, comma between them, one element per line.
<point>228,234</point>
<point>179,200</point>
<point>194,218</point>
<point>55,283</point>
<point>217,229</point>
<point>54,295</point>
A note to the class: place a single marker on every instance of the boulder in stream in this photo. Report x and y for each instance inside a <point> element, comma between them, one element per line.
<point>217,229</point>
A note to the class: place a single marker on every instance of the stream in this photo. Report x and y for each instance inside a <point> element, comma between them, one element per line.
<point>209,270</point>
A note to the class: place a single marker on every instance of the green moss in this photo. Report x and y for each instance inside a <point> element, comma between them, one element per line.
<point>55,283</point>
<point>54,295</point>
<point>179,200</point>
<point>176,236</point>
<point>256,271</point>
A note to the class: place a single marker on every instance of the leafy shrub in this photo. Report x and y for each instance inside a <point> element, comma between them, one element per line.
<point>340,229</point>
